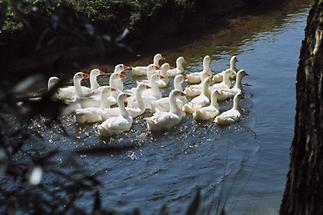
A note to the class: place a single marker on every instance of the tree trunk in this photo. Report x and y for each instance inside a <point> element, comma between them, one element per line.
<point>304,188</point>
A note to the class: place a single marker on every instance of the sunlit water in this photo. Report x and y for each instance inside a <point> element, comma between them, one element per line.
<point>242,167</point>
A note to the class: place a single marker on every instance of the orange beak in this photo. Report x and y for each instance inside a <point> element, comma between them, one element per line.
<point>183,94</point>
<point>85,76</point>
<point>157,67</point>
<point>123,76</point>
<point>126,67</point>
<point>113,89</point>
<point>162,77</point>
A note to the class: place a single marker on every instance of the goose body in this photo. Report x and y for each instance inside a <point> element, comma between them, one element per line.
<point>195,77</point>
<point>142,70</point>
<point>94,114</point>
<point>225,84</point>
<point>230,93</point>
<point>163,103</point>
<point>199,101</point>
<point>162,83</point>
<point>196,89</point>
<point>231,115</point>
<point>179,68</point>
<point>166,120</point>
<point>152,94</point>
<point>118,124</point>
<point>209,112</point>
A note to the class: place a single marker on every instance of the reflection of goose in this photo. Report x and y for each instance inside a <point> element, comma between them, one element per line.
<point>163,103</point>
<point>93,114</point>
<point>179,68</point>
<point>229,93</point>
<point>209,112</point>
<point>218,77</point>
<point>142,70</point>
<point>195,77</point>
<point>231,115</point>
<point>199,101</point>
<point>166,120</point>
<point>118,124</point>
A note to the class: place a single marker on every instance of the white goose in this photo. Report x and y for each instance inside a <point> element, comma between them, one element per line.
<point>93,114</point>
<point>151,69</point>
<point>209,112</point>
<point>233,70</point>
<point>162,83</point>
<point>152,94</point>
<point>167,120</point>
<point>118,124</point>
<point>137,109</point>
<point>199,101</point>
<point>229,93</point>
<point>195,77</point>
<point>231,115</point>
<point>225,84</point>
<point>68,93</point>
<point>142,70</point>
<point>163,103</point>
<point>196,89</point>
<point>179,68</point>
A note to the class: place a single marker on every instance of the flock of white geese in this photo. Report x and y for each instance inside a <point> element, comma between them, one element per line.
<point>97,104</point>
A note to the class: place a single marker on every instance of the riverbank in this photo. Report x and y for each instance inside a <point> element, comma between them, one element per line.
<point>71,34</point>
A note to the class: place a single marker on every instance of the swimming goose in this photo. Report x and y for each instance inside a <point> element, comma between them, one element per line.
<point>199,101</point>
<point>152,94</point>
<point>151,69</point>
<point>137,109</point>
<point>195,77</point>
<point>142,70</point>
<point>196,89</point>
<point>94,114</point>
<point>225,84</point>
<point>162,83</point>
<point>209,112</point>
<point>229,93</point>
<point>68,93</point>
<point>231,115</point>
<point>118,124</point>
<point>166,120</point>
<point>163,103</point>
<point>233,70</point>
<point>179,68</point>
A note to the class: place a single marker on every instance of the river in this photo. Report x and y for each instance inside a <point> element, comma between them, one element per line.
<point>242,167</point>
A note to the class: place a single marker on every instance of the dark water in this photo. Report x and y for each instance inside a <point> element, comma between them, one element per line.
<point>243,166</point>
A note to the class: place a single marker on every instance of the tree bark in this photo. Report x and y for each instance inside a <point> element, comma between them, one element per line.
<point>304,188</point>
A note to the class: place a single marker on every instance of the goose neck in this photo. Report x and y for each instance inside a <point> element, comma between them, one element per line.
<point>178,86</point>
<point>173,105</point>
<point>140,102</point>
<point>214,101</point>
<point>78,88</point>
<point>154,88</point>
<point>179,66</point>
<point>104,100</point>
<point>238,83</point>
<point>235,102</point>
<point>93,82</point>
<point>124,113</point>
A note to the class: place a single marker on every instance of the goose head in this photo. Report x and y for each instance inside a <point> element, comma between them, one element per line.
<point>206,61</point>
<point>234,59</point>
<point>180,60</point>
<point>174,94</point>
<point>157,58</point>
<point>164,68</point>
<point>151,69</point>
<point>79,76</point>
<point>52,81</point>
<point>178,80</point>
<point>96,72</point>
<point>120,68</point>
<point>241,73</point>
<point>93,78</point>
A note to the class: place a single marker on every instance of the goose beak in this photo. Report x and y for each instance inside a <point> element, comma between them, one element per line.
<point>162,77</point>
<point>157,67</point>
<point>247,74</point>
<point>183,94</point>
<point>85,76</point>
<point>113,89</point>
<point>126,67</point>
<point>123,76</point>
